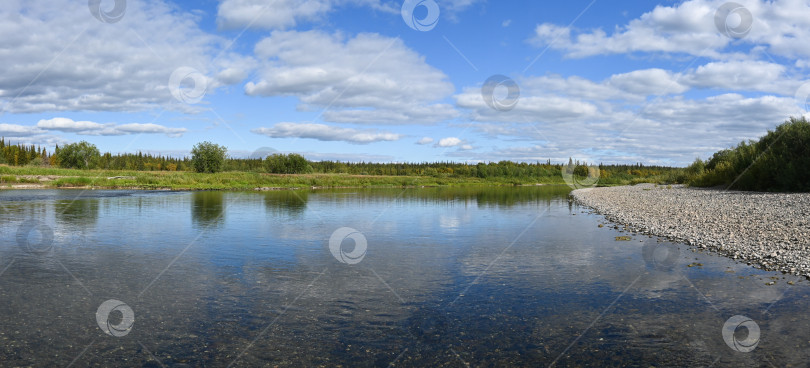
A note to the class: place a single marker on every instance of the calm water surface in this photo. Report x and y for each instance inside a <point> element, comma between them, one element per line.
<point>447,277</point>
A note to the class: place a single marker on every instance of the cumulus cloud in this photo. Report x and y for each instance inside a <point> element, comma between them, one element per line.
<point>269,13</point>
<point>424,140</point>
<point>15,130</point>
<point>449,142</point>
<point>648,82</point>
<point>109,129</point>
<point>285,14</point>
<point>782,26</point>
<point>670,130</point>
<point>26,134</point>
<point>751,75</point>
<point>542,107</point>
<point>366,79</point>
<point>73,62</point>
<point>324,132</point>
<point>453,142</point>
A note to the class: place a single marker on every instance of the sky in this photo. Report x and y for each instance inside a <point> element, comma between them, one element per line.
<point>404,81</point>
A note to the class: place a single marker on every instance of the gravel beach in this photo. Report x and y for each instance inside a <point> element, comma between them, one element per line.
<point>768,230</point>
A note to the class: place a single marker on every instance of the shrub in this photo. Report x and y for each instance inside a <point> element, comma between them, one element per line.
<point>207,157</point>
<point>36,162</point>
<point>777,162</point>
<point>82,155</point>
<point>73,182</point>
<point>287,164</point>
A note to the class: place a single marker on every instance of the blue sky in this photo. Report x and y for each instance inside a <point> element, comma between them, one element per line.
<point>613,82</point>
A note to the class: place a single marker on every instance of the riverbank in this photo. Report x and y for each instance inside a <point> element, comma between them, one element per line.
<point>768,230</point>
<point>44,178</point>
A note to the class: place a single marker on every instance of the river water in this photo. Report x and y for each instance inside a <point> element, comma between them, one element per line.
<point>455,277</point>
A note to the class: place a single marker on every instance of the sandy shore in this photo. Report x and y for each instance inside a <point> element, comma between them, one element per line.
<point>768,230</point>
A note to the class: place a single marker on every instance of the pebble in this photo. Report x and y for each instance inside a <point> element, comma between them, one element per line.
<point>766,229</point>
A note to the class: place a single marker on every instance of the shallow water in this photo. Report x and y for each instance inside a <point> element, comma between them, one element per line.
<point>449,277</point>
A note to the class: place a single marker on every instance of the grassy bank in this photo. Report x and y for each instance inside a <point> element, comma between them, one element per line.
<point>52,177</point>
<point>233,180</point>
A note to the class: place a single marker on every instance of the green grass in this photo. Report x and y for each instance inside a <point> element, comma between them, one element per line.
<point>238,180</point>
<point>230,180</point>
<point>8,179</point>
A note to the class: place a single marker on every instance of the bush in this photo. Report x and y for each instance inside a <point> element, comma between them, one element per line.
<point>82,155</point>
<point>36,162</point>
<point>777,162</point>
<point>73,182</point>
<point>207,157</point>
<point>287,164</point>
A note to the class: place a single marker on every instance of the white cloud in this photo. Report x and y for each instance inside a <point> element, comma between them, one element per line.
<point>667,130</point>
<point>367,79</point>
<point>135,128</point>
<point>273,14</point>
<point>742,76</point>
<point>648,82</point>
<point>68,125</point>
<point>285,14</point>
<point>544,107</point>
<point>15,130</point>
<point>73,62</point>
<point>424,140</point>
<point>109,129</point>
<point>552,99</point>
<point>324,132</point>
<point>449,142</point>
<point>783,26</point>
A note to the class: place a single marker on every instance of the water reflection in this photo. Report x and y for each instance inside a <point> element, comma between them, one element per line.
<point>286,202</point>
<point>485,276</point>
<point>484,196</point>
<point>207,208</point>
<point>77,212</point>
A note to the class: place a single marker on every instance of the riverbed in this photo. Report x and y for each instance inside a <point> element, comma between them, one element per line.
<point>470,276</point>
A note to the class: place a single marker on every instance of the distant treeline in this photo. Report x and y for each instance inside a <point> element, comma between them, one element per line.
<point>21,155</point>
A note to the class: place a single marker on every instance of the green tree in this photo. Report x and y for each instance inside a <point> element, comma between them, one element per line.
<point>82,155</point>
<point>292,163</point>
<point>207,157</point>
<point>777,162</point>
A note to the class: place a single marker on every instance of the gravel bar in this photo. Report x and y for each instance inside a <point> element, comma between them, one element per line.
<point>767,230</point>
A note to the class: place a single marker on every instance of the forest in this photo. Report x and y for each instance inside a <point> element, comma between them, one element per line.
<point>504,171</point>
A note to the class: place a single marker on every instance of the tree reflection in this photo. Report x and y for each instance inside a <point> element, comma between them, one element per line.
<point>79,212</point>
<point>286,202</point>
<point>207,208</point>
